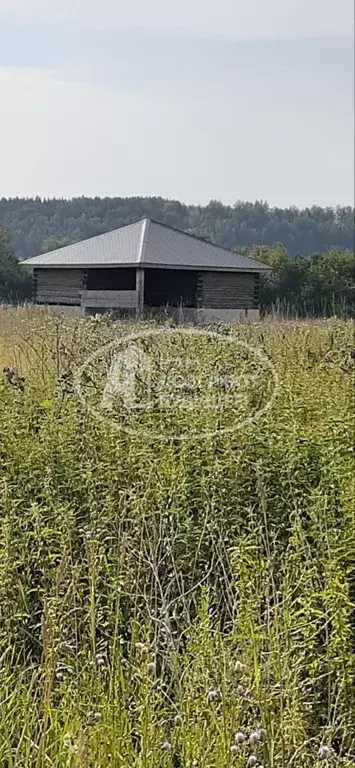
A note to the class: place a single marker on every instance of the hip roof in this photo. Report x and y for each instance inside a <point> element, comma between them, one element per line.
<point>147,243</point>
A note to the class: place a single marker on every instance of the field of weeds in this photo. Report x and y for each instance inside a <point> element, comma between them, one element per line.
<point>177,538</point>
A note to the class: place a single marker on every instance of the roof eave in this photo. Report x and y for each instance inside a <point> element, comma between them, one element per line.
<point>144,265</point>
<point>82,265</point>
<point>205,268</point>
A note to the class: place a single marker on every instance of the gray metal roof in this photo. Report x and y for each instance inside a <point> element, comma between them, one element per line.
<point>149,244</point>
<point>121,246</point>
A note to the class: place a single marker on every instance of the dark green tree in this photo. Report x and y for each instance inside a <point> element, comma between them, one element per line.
<point>52,243</point>
<point>15,283</point>
<point>319,284</point>
<point>35,223</point>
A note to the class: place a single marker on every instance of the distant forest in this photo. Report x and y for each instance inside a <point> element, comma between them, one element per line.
<point>38,225</point>
<point>311,251</point>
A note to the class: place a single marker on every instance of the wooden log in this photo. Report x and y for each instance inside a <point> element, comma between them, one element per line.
<point>228,290</point>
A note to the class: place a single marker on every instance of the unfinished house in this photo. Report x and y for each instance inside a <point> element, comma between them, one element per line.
<point>148,268</point>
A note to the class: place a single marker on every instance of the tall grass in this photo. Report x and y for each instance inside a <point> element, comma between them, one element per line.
<point>158,597</point>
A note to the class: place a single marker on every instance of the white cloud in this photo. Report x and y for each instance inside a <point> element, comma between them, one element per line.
<point>238,18</point>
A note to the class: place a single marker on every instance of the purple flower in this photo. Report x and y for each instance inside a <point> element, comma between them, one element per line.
<point>324,753</point>
<point>152,670</point>
<point>212,694</point>
<point>166,746</point>
<point>255,736</point>
<point>177,720</point>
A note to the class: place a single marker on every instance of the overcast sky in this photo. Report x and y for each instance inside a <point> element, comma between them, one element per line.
<point>192,100</point>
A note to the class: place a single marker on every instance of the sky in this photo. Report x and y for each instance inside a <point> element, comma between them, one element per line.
<point>191,100</point>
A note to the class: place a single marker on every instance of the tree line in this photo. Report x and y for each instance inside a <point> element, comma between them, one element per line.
<point>38,225</point>
<point>321,284</point>
<point>308,282</point>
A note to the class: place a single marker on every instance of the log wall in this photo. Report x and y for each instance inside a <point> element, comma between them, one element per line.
<point>228,290</point>
<point>109,299</point>
<point>215,290</point>
<point>59,286</point>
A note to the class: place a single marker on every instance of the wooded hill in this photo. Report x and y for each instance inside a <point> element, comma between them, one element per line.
<point>310,250</point>
<point>39,225</point>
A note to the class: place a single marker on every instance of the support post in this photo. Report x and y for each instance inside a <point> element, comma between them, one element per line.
<point>140,290</point>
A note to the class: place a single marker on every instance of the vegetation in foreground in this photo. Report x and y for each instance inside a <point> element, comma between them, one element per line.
<point>174,602</point>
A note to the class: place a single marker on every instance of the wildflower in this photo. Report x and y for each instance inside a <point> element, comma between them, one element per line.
<point>177,720</point>
<point>141,648</point>
<point>152,669</point>
<point>240,690</point>
<point>255,736</point>
<point>100,660</point>
<point>261,732</point>
<point>234,750</point>
<point>94,717</point>
<point>224,383</point>
<point>166,746</point>
<point>324,753</point>
<point>212,694</point>
<point>239,737</point>
<point>252,761</point>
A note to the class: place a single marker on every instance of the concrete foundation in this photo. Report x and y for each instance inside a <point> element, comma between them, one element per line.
<point>179,314</point>
<point>63,309</point>
<point>203,315</point>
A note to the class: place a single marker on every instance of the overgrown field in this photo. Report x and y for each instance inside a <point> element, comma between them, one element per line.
<point>177,569</point>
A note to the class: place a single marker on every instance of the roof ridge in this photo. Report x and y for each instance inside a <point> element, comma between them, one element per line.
<point>86,240</point>
<point>143,241</point>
